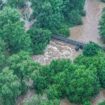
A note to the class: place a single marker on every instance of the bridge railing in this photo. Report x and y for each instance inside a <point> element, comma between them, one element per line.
<point>69,41</point>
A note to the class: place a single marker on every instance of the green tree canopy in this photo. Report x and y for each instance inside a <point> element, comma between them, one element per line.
<point>12,31</point>
<point>83,85</point>
<point>9,87</point>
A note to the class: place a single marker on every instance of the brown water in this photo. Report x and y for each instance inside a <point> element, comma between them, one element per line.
<point>89,30</point>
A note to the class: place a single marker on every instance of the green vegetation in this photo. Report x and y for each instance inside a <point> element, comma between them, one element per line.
<point>40,38</point>
<point>36,100</point>
<point>91,49</point>
<point>12,31</point>
<point>2,54</point>
<point>9,87</point>
<point>16,3</point>
<point>54,14</point>
<point>103,0</point>
<point>102,26</point>
<point>78,80</point>
<point>102,103</point>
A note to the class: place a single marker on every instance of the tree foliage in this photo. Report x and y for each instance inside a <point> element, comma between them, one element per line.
<point>102,26</point>
<point>53,14</point>
<point>16,3</point>
<point>37,100</point>
<point>12,31</point>
<point>22,66</point>
<point>9,87</point>
<point>83,85</point>
<point>2,54</point>
<point>40,39</point>
<point>91,49</point>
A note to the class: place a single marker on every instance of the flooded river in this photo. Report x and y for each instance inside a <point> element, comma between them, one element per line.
<point>89,30</point>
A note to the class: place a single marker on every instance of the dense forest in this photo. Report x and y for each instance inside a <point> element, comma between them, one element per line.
<point>78,80</point>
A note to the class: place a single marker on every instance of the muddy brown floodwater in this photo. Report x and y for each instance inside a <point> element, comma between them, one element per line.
<point>89,30</point>
<point>56,50</point>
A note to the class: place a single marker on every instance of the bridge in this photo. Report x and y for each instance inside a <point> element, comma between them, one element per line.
<point>79,45</point>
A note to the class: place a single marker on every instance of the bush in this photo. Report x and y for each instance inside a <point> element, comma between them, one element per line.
<point>91,49</point>
<point>40,38</point>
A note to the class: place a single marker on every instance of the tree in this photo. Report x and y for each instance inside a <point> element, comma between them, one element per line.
<point>16,3</point>
<point>12,31</point>
<point>102,25</point>
<point>91,49</point>
<point>83,85</point>
<point>2,54</point>
<point>37,100</point>
<point>55,14</point>
<point>40,39</point>
<point>22,66</point>
<point>48,14</point>
<point>9,87</point>
<point>97,61</point>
